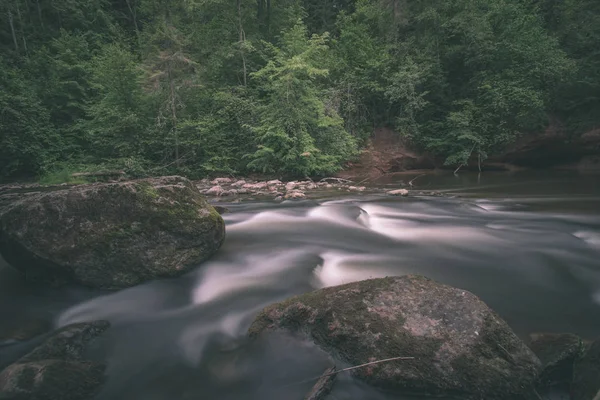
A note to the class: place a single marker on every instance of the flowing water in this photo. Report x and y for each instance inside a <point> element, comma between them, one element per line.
<point>528,244</point>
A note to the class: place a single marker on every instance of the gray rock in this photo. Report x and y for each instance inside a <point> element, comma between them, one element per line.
<point>57,369</point>
<point>238,184</point>
<point>291,185</point>
<point>112,234</point>
<point>461,348</point>
<point>215,191</point>
<point>586,375</point>
<point>67,343</point>
<point>398,192</point>
<point>51,380</point>
<point>294,195</point>
<point>558,353</point>
<point>220,181</point>
<point>221,210</point>
<point>275,182</point>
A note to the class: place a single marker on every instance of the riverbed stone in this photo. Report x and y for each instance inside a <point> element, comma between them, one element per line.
<point>57,369</point>
<point>398,192</point>
<point>586,376</point>
<point>461,348</point>
<point>215,191</point>
<point>558,353</point>
<point>239,183</point>
<point>220,181</point>
<point>294,195</point>
<point>111,235</point>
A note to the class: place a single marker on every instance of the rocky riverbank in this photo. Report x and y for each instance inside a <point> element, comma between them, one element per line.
<point>236,190</point>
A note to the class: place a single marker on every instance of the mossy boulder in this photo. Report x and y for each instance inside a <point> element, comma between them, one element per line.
<point>558,353</point>
<point>461,348</point>
<point>586,375</point>
<point>111,235</point>
<point>57,369</point>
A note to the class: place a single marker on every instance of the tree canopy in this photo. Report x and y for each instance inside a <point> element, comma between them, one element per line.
<point>287,87</point>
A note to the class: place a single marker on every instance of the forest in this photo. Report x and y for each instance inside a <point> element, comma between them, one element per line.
<point>285,87</point>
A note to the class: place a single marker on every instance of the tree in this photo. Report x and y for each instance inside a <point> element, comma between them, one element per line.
<point>28,142</point>
<point>169,69</point>
<point>118,122</point>
<point>297,132</point>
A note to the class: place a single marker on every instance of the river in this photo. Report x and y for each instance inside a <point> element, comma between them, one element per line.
<point>527,243</point>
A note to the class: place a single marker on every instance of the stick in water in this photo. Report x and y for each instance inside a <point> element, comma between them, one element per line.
<point>323,386</point>
<point>351,368</point>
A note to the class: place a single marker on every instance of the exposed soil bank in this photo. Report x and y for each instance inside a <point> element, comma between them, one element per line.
<point>388,153</point>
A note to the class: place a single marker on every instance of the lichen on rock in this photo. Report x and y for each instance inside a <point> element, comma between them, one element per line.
<point>57,369</point>
<point>111,235</point>
<point>461,348</point>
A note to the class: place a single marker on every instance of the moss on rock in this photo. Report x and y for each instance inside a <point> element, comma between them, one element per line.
<point>558,353</point>
<point>586,376</point>
<point>111,235</point>
<point>460,347</point>
<point>57,370</point>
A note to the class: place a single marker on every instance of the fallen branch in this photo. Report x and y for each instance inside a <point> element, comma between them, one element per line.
<point>326,374</point>
<point>410,183</point>
<point>98,173</point>
<point>323,385</point>
<point>340,180</point>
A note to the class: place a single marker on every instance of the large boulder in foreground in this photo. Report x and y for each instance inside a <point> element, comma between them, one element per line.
<point>461,348</point>
<point>586,377</point>
<point>113,234</point>
<point>57,369</point>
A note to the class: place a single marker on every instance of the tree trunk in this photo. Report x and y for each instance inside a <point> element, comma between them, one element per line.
<point>133,13</point>
<point>260,15</point>
<point>12,29</point>
<point>242,40</point>
<point>22,28</point>
<point>39,10</point>
<point>268,18</point>
<point>173,112</point>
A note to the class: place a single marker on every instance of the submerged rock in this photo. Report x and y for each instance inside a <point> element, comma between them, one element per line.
<point>461,348</point>
<point>111,235</point>
<point>57,369</point>
<point>20,329</point>
<point>558,353</point>
<point>586,376</point>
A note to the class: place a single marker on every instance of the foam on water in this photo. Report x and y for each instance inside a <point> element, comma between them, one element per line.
<point>535,269</point>
<point>340,268</point>
<point>221,279</point>
<point>591,238</point>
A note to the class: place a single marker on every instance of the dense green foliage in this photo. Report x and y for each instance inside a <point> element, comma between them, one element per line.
<point>288,87</point>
